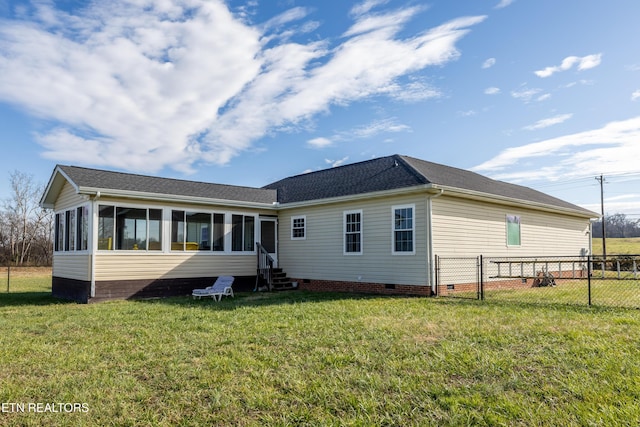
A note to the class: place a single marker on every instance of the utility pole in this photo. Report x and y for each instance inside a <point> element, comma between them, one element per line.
<point>604,232</point>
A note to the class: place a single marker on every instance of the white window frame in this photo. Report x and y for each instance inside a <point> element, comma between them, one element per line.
<point>344,231</point>
<point>412,229</point>
<point>303,228</point>
<point>61,233</point>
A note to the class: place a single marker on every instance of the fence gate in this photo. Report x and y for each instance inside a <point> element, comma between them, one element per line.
<point>459,277</point>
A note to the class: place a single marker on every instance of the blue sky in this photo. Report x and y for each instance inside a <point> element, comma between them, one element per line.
<point>542,93</point>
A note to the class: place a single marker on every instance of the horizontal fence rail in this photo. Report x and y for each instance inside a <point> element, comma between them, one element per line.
<point>614,281</point>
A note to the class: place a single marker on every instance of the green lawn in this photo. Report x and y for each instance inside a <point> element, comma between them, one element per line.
<point>617,246</point>
<point>298,358</point>
<point>609,292</point>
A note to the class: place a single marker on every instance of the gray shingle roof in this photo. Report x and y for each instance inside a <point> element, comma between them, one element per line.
<point>107,180</point>
<point>394,172</point>
<point>385,173</point>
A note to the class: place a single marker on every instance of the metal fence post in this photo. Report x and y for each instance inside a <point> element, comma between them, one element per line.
<point>436,260</point>
<point>481,295</point>
<point>589,278</point>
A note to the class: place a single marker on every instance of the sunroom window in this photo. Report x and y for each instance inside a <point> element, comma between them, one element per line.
<point>242,233</point>
<point>203,231</point>
<point>128,228</point>
<point>71,230</point>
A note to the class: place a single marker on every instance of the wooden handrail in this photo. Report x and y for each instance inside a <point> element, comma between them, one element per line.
<point>265,266</point>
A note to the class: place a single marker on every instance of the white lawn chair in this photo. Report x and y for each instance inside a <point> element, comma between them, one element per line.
<point>221,287</point>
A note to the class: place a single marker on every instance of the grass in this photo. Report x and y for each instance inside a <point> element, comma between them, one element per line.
<point>296,358</point>
<point>612,293</point>
<point>617,246</point>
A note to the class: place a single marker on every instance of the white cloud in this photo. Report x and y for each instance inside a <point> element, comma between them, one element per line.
<point>492,91</point>
<point>319,142</point>
<point>141,86</point>
<point>489,63</point>
<point>366,6</point>
<point>370,130</point>
<point>468,113</point>
<point>583,63</point>
<point>503,4</point>
<point>545,123</point>
<point>609,149</point>
<point>635,95</point>
<point>413,91</point>
<point>526,94</point>
<point>336,163</point>
<point>377,127</point>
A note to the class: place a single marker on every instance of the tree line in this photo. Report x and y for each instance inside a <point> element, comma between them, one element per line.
<point>616,225</point>
<point>26,230</point>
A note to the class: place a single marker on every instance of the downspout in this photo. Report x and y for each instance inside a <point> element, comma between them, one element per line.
<point>430,254</point>
<point>94,243</point>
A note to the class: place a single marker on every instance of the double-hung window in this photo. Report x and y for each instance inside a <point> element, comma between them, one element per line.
<point>404,231</point>
<point>298,228</point>
<point>353,232</point>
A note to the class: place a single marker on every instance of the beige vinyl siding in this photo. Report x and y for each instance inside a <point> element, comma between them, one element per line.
<point>72,266</point>
<point>68,198</point>
<point>128,266</point>
<point>321,255</point>
<point>469,228</point>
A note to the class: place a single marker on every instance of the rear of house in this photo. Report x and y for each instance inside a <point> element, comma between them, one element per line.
<point>373,226</point>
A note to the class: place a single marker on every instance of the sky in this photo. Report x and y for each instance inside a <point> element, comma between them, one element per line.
<point>541,93</point>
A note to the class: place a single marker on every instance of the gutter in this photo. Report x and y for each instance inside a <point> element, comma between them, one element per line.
<point>430,254</point>
<point>97,192</point>
<point>353,197</point>
<point>504,200</point>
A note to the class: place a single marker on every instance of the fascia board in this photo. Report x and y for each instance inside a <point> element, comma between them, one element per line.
<point>92,191</point>
<point>355,197</point>
<point>492,198</point>
<point>52,185</point>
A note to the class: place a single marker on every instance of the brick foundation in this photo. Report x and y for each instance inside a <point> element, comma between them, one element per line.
<point>362,287</point>
<point>504,284</point>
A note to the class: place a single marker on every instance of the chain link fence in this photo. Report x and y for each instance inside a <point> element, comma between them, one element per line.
<point>614,281</point>
<point>14,279</point>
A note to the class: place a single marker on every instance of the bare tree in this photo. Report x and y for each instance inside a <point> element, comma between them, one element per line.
<point>25,221</point>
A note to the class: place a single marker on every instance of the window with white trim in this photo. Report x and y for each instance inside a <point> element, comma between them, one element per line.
<point>72,230</point>
<point>404,232</point>
<point>197,231</point>
<point>298,227</point>
<point>243,231</point>
<point>129,228</point>
<point>513,230</point>
<point>353,232</point>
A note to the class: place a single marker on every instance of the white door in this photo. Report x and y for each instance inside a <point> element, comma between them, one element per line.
<point>269,237</point>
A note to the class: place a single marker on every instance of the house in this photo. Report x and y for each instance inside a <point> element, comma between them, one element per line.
<point>372,226</point>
